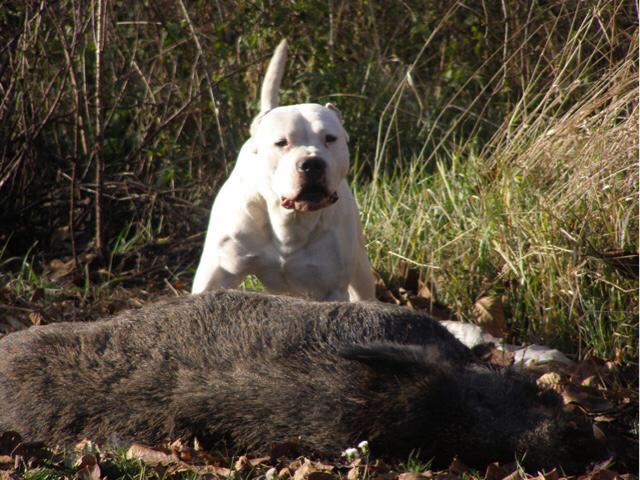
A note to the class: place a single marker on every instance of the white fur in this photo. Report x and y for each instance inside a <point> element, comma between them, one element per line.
<point>318,254</point>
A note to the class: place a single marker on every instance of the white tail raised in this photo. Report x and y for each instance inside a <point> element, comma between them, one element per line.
<point>270,93</point>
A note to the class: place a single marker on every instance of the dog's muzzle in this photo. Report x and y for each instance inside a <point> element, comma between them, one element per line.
<point>314,194</point>
<point>311,198</point>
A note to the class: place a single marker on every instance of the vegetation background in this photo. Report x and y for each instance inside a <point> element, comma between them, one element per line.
<point>494,148</point>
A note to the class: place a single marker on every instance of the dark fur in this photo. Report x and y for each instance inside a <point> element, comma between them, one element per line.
<point>256,370</point>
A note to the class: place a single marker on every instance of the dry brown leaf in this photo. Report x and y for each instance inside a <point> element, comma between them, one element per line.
<point>242,465</point>
<point>457,467</point>
<point>491,354</point>
<point>180,285</point>
<point>489,314</point>
<point>218,471</point>
<point>259,461</point>
<point>552,475</point>
<point>412,476</point>
<point>36,318</point>
<point>603,475</point>
<point>495,472</point>
<point>591,381</point>
<point>517,474</point>
<point>152,455</point>
<point>197,446</point>
<point>284,473</point>
<point>89,468</point>
<point>383,293</point>
<point>6,460</point>
<point>353,473</point>
<point>425,292</point>
<point>550,380</point>
<point>588,369</point>
<point>313,471</point>
<point>585,399</point>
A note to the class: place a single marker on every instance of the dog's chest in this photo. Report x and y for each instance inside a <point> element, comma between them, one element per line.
<point>317,270</point>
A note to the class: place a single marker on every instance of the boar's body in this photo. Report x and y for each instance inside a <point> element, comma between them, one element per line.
<point>256,370</point>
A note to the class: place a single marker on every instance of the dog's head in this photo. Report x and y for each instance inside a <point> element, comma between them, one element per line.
<point>303,152</point>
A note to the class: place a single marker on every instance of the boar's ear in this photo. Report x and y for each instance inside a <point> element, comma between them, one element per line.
<point>392,356</point>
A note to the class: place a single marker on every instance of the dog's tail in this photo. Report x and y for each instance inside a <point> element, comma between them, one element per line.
<point>270,93</point>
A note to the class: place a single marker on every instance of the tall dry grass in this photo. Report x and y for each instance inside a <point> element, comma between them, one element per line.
<point>544,217</point>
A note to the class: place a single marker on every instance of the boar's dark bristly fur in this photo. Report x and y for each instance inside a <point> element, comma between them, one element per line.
<point>256,370</point>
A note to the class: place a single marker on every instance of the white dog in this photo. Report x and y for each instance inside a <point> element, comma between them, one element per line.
<point>286,213</point>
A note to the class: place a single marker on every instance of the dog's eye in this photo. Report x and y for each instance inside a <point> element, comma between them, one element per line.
<point>281,143</point>
<point>330,138</point>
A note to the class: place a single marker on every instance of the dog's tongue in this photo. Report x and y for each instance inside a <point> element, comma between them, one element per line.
<point>309,204</point>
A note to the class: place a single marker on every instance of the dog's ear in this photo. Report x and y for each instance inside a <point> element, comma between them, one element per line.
<point>256,121</point>
<point>335,109</point>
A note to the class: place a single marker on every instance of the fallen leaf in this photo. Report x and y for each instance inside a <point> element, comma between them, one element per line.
<point>457,467</point>
<point>379,466</point>
<point>89,468</point>
<point>219,471</point>
<point>353,473</point>
<point>489,314</point>
<point>242,465</point>
<point>495,472</point>
<point>573,394</point>
<point>425,292</point>
<point>552,475</point>
<point>36,318</point>
<point>591,381</point>
<point>412,476</point>
<point>598,434</point>
<point>493,355</point>
<point>313,471</point>
<point>551,380</point>
<point>285,472</point>
<point>384,294</point>
<point>152,455</point>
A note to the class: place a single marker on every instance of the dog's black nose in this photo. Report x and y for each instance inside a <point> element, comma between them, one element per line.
<point>312,168</point>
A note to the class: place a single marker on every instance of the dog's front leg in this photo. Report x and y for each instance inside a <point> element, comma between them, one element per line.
<point>337,295</point>
<point>211,275</point>
<point>362,285</point>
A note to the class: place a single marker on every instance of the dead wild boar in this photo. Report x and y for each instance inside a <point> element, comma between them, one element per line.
<point>255,370</point>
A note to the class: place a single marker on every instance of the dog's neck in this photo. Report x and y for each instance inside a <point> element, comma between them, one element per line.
<point>293,230</point>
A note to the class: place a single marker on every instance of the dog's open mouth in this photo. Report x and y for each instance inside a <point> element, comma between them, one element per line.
<point>310,198</point>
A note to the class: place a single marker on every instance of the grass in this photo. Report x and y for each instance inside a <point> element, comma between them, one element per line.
<point>415,464</point>
<point>543,217</point>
